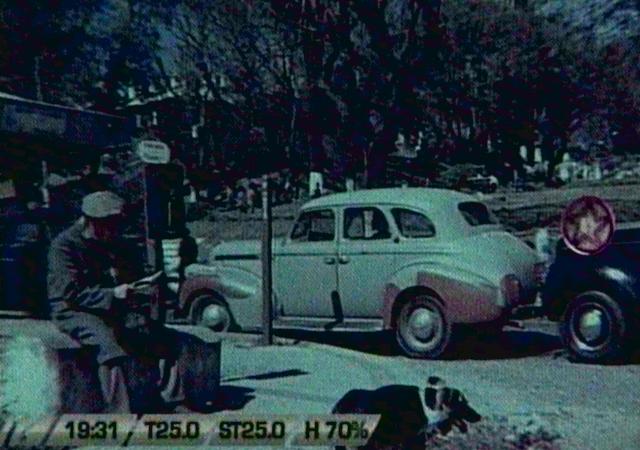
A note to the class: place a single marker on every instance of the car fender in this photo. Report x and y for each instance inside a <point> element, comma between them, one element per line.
<point>241,289</point>
<point>467,296</point>
<point>561,286</point>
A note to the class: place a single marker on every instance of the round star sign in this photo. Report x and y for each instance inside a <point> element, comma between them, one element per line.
<point>587,225</point>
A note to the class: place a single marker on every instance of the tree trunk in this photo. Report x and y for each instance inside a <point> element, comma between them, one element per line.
<point>365,171</point>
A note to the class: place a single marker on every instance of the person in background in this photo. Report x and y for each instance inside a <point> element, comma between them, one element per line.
<point>288,188</point>
<point>228,193</point>
<point>188,253</point>
<point>316,191</point>
<point>251,198</point>
<point>241,199</point>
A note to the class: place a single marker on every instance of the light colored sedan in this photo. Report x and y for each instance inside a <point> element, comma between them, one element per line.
<point>415,261</point>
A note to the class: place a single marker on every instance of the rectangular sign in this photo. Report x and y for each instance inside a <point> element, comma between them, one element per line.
<point>26,119</point>
<point>153,152</point>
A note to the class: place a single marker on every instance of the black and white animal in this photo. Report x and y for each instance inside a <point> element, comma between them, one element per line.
<point>409,418</point>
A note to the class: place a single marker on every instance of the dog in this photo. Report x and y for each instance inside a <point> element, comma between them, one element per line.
<point>409,418</point>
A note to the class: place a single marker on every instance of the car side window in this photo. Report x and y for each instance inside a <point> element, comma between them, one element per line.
<point>413,224</point>
<point>365,223</point>
<point>314,226</point>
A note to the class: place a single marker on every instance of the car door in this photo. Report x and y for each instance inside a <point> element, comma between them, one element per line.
<point>305,273</point>
<point>367,259</point>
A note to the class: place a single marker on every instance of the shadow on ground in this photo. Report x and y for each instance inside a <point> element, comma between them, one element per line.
<point>510,344</point>
<point>468,344</point>
<point>632,359</point>
<point>231,398</point>
<point>269,375</point>
<point>376,343</point>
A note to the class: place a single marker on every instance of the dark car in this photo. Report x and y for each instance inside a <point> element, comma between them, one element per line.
<point>596,298</point>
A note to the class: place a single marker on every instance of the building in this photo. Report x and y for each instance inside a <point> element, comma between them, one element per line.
<point>38,139</point>
<point>37,136</point>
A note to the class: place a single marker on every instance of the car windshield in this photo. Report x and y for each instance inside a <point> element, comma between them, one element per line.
<point>476,213</point>
<point>314,226</point>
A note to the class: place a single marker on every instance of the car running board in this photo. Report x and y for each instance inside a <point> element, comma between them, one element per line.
<point>328,324</point>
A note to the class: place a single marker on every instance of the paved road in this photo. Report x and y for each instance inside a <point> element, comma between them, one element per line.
<point>523,376</point>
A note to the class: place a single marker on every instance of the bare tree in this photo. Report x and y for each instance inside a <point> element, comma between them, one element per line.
<point>231,52</point>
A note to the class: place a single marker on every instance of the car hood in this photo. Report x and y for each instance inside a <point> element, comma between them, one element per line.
<point>237,248</point>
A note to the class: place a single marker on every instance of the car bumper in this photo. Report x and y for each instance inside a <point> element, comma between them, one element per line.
<point>527,305</point>
<point>528,297</point>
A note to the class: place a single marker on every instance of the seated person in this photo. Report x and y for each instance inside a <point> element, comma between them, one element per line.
<point>95,301</point>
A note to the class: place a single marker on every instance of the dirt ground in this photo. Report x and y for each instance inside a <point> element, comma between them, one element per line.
<point>560,405</point>
<point>530,394</point>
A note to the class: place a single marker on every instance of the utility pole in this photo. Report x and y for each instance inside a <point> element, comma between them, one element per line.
<point>267,282</point>
<point>44,168</point>
<point>36,78</point>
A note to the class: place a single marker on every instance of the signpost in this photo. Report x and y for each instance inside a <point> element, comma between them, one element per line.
<point>267,330</point>
<point>153,152</point>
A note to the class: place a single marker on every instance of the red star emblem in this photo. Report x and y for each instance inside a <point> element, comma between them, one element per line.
<point>587,225</point>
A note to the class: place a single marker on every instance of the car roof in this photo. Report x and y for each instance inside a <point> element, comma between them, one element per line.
<point>418,197</point>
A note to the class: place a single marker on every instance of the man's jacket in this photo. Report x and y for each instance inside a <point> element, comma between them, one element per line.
<point>82,273</point>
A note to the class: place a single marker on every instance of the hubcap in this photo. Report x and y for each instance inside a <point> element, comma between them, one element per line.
<point>422,329</point>
<point>591,326</point>
<point>423,323</point>
<point>215,317</point>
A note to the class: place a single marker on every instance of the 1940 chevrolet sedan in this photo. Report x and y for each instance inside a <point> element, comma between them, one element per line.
<point>415,261</point>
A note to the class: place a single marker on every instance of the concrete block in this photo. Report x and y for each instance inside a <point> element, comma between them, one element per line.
<point>200,358</point>
<point>41,380</point>
<point>44,372</point>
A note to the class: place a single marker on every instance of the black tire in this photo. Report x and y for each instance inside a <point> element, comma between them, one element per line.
<point>203,305</point>
<point>436,328</point>
<point>595,328</point>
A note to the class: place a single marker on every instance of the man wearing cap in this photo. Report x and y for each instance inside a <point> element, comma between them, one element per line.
<point>90,286</point>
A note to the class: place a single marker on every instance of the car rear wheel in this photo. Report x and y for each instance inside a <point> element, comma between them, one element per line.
<point>422,328</point>
<point>594,328</point>
<point>211,312</point>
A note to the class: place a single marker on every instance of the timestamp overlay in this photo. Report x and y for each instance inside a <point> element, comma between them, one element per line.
<point>92,429</point>
<point>195,429</point>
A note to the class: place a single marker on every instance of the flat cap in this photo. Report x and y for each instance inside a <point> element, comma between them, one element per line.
<point>102,204</point>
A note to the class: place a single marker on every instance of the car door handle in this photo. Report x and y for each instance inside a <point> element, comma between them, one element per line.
<point>343,259</point>
<point>329,260</point>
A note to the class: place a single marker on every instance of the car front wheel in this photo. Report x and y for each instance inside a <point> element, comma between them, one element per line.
<point>594,328</point>
<point>422,328</point>
<point>211,312</point>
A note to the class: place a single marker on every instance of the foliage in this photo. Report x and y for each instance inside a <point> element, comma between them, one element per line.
<point>271,82</point>
<point>38,39</point>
